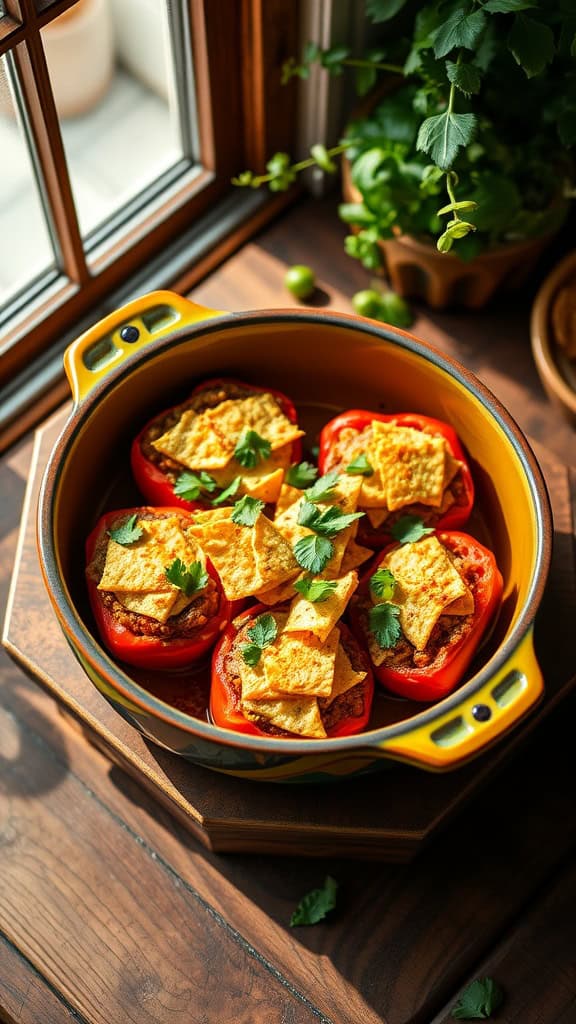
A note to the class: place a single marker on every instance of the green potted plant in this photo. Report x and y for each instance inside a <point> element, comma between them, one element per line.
<point>457,171</point>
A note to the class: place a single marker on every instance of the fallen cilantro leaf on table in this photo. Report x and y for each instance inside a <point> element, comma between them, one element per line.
<point>323,487</point>
<point>382,583</point>
<point>247,510</point>
<point>479,1000</point>
<point>409,529</point>
<point>315,591</point>
<point>313,553</point>
<point>316,904</point>
<point>228,492</point>
<point>383,619</point>
<point>360,466</point>
<point>190,485</point>
<point>189,580</point>
<point>302,475</point>
<point>127,533</point>
<point>251,448</point>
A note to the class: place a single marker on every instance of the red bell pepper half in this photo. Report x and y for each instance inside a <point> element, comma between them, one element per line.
<point>449,658</point>
<point>139,649</point>
<point>157,484</point>
<point>358,419</point>
<point>225,695</point>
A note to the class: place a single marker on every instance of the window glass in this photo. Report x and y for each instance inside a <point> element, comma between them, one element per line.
<point>25,247</point>
<point>113,73</point>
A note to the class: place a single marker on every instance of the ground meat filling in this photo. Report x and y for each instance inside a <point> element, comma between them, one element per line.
<point>177,627</point>
<point>448,631</point>
<point>208,398</point>
<point>346,705</point>
<point>351,443</point>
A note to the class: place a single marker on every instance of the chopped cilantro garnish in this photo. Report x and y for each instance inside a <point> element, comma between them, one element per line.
<point>360,466</point>
<point>479,1000</point>
<point>323,487</point>
<point>251,448</point>
<point>228,492</point>
<point>382,583</point>
<point>302,475</point>
<point>316,904</point>
<point>247,510</point>
<point>261,634</point>
<point>189,580</point>
<point>313,553</point>
<point>384,624</point>
<point>190,485</point>
<point>326,523</point>
<point>127,533</point>
<point>409,529</point>
<point>313,590</point>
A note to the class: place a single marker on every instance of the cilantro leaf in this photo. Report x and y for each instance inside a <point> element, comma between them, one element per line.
<point>382,583</point>
<point>444,134</point>
<point>228,492</point>
<point>323,487</point>
<point>360,466</point>
<point>302,475</point>
<point>262,634</point>
<point>313,553</point>
<point>190,485</point>
<point>127,533</point>
<point>316,904</point>
<point>247,510</point>
<point>531,44</point>
<point>327,523</point>
<point>189,580</point>
<point>251,448</point>
<point>460,29</point>
<point>315,591</point>
<point>408,529</point>
<point>478,1000</point>
<point>384,624</point>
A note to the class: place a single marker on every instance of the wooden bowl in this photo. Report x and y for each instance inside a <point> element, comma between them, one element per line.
<point>556,368</point>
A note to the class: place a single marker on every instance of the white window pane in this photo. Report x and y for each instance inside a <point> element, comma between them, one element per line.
<point>112,72</point>
<point>25,247</point>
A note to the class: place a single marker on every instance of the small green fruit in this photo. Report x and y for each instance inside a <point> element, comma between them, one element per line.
<point>367,303</point>
<point>300,281</point>
<point>395,310</point>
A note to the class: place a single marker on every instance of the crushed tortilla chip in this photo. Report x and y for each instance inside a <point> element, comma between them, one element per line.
<point>411,463</point>
<point>354,555</point>
<point>345,677</point>
<point>156,606</point>
<point>300,716</point>
<point>298,664</point>
<point>320,617</point>
<point>140,567</point>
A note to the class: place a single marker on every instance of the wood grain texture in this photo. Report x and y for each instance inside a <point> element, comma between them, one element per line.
<point>25,997</point>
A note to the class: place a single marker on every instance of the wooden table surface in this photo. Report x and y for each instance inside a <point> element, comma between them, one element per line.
<point>111,911</point>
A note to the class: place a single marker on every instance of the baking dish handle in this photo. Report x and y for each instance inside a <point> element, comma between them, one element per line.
<point>118,336</point>
<point>466,730</point>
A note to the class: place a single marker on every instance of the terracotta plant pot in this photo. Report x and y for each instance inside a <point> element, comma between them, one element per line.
<point>417,270</point>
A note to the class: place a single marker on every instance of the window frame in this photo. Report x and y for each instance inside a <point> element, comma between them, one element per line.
<point>237,49</point>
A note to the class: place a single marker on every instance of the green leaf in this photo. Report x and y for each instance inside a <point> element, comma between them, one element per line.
<point>251,448</point>
<point>356,213</point>
<point>360,466</point>
<point>531,43</point>
<point>383,10</point>
<point>190,485</point>
<point>264,631</point>
<point>320,154</point>
<point>313,553</point>
<point>465,204</point>
<point>228,492</point>
<point>332,58</point>
<point>408,529</point>
<point>189,579</point>
<point>460,29</point>
<point>251,654</point>
<point>382,583</point>
<point>247,510</point>
<point>365,79</point>
<point>384,624</point>
<point>444,134</point>
<point>508,6</point>
<point>445,242</point>
<point>479,1000</point>
<point>327,523</point>
<point>315,591</point>
<point>316,904</point>
<point>323,487</point>
<point>301,475</point>
<point>127,533</point>
<point>464,76</point>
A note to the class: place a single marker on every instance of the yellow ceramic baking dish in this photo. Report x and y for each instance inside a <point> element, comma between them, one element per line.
<point>326,362</point>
